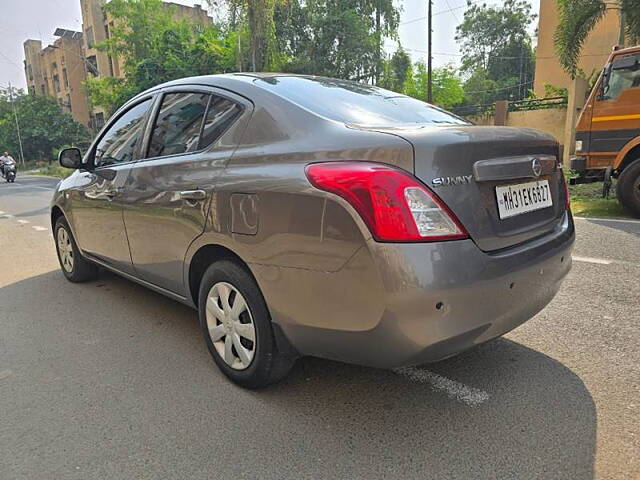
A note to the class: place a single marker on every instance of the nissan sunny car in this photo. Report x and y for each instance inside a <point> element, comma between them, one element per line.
<point>305,215</point>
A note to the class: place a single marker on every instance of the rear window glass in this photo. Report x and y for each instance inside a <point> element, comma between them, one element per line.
<point>177,128</point>
<point>357,104</point>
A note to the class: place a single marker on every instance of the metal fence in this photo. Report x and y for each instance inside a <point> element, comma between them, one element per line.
<point>538,104</point>
<point>517,106</point>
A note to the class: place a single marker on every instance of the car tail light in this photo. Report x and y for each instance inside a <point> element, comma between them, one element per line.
<point>395,205</point>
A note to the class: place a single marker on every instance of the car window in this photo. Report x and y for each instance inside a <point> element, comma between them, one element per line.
<point>221,113</point>
<point>119,143</point>
<point>356,103</point>
<point>177,127</point>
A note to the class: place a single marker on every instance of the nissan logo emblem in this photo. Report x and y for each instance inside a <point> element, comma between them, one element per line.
<point>536,166</point>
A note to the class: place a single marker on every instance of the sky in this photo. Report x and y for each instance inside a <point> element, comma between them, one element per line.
<point>37,19</point>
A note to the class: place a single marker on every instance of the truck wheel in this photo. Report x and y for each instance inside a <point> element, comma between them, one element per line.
<point>628,187</point>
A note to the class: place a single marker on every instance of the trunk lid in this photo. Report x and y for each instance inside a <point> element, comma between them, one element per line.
<point>463,165</point>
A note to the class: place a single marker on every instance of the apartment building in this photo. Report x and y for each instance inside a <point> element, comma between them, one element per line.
<point>595,50</point>
<point>97,25</point>
<point>77,51</point>
<point>58,71</point>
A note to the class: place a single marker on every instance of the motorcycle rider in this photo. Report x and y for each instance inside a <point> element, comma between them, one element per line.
<point>6,160</point>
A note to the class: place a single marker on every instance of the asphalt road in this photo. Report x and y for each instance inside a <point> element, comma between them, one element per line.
<point>109,380</point>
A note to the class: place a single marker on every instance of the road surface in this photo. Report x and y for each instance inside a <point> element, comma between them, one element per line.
<point>110,380</point>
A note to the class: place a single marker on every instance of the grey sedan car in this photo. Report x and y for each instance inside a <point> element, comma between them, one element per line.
<point>311,216</point>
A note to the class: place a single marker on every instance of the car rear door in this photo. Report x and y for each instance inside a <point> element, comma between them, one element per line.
<point>96,203</point>
<point>192,137</point>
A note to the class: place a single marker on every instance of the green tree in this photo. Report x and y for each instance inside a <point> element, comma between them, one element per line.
<point>337,38</point>
<point>497,47</point>
<point>156,48</point>
<point>579,17</point>
<point>480,89</point>
<point>254,20</point>
<point>447,86</point>
<point>44,125</point>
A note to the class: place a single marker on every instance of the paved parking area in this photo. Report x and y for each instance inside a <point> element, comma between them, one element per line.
<point>110,380</point>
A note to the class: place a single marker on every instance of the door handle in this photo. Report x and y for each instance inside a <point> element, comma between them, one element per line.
<point>193,195</point>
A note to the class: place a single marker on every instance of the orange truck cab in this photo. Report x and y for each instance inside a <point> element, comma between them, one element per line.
<point>608,129</point>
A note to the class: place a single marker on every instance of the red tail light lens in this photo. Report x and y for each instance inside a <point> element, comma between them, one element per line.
<point>395,205</point>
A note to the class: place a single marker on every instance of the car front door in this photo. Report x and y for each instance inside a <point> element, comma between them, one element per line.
<point>95,203</point>
<point>192,137</point>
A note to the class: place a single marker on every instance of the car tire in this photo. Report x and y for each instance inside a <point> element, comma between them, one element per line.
<point>628,187</point>
<point>242,344</point>
<point>74,266</point>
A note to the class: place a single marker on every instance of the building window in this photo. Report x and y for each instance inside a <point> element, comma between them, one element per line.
<point>99,120</point>
<point>92,65</point>
<point>69,102</point>
<point>56,83</point>
<point>65,78</point>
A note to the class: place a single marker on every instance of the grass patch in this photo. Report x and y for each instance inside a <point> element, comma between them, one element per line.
<point>55,170</point>
<point>587,201</point>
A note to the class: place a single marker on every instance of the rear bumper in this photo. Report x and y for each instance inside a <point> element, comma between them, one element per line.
<point>394,305</point>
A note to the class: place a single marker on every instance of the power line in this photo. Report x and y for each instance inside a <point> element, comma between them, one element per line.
<point>509,87</point>
<point>451,10</point>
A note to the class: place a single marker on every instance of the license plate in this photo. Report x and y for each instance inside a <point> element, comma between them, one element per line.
<point>523,198</point>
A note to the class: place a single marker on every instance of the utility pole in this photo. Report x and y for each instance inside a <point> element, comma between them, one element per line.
<point>429,73</point>
<point>15,115</point>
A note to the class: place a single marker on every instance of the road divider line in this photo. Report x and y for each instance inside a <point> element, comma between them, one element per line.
<point>454,390</point>
<point>23,221</point>
<point>39,228</point>
<point>6,215</point>
<point>597,261</point>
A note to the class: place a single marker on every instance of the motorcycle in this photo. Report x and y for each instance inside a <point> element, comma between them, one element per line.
<point>9,173</point>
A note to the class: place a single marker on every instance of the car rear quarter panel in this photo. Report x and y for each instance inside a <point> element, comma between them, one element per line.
<point>301,230</point>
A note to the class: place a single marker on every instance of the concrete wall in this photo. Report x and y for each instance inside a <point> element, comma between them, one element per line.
<point>550,120</point>
<point>594,53</point>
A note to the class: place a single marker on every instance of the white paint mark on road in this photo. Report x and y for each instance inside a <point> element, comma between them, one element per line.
<point>6,215</point>
<point>23,221</point>
<point>455,390</point>
<point>5,374</point>
<point>598,261</point>
<point>614,220</point>
<point>1,212</point>
<point>39,228</point>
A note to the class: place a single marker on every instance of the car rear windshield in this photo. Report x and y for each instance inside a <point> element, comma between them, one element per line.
<point>357,104</point>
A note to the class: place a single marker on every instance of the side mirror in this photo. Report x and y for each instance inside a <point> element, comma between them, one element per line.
<point>70,158</point>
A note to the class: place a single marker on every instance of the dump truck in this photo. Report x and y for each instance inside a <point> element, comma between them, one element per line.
<point>608,130</point>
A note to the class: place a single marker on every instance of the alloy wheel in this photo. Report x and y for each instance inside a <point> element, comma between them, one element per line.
<point>230,325</point>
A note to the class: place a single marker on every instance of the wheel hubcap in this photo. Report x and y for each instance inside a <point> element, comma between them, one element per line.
<point>65,250</point>
<point>230,325</point>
